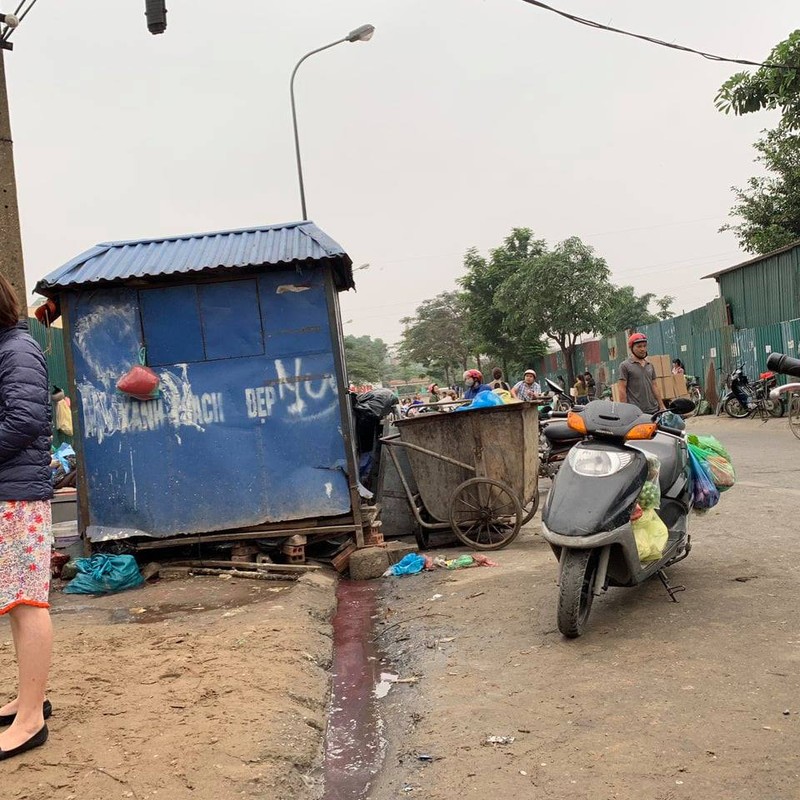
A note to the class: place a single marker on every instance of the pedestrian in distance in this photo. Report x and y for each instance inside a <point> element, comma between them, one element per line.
<point>435,393</point>
<point>591,385</point>
<point>527,389</point>
<point>498,382</point>
<point>678,367</point>
<point>581,391</point>
<point>25,524</point>
<point>637,378</point>
<point>473,383</point>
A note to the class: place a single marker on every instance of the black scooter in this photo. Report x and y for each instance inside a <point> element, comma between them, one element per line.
<point>556,438</point>
<point>587,516</point>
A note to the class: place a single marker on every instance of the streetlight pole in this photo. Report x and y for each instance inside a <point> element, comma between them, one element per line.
<point>11,264</point>
<point>361,34</point>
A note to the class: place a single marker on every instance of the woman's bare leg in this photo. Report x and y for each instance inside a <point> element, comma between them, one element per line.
<point>33,641</point>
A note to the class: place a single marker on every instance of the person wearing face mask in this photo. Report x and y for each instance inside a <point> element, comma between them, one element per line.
<point>473,383</point>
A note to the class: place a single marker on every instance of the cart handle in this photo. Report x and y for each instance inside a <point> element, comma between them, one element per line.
<point>394,441</point>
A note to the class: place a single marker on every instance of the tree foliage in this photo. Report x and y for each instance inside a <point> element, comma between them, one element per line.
<point>366,359</point>
<point>769,206</point>
<point>625,309</point>
<point>437,336</point>
<point>561,294</point>
<point>767,87</point>
<point>491,325</point>
<point>664,305</point>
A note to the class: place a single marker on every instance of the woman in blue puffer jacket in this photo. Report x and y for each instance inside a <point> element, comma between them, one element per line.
<point>25,529</point>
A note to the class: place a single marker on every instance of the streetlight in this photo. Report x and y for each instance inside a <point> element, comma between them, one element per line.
<point>361,34</point>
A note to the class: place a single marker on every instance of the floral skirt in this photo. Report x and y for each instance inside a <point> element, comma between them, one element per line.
<point>26,541</point>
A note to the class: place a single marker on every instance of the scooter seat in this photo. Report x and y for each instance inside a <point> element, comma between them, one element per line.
<point>561,432</point>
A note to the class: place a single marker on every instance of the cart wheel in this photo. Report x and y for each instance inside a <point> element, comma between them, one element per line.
<point>529,511</point>
<point>485,514</point>
<point>423,537</point>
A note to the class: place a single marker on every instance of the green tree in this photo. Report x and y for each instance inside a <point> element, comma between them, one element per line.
<point>491,325</point>
<point>769,206</point>
<point>437,336</point>
<point>561,294</point>
<point>767,87</point>
<point>625,309</point>
<point>664,305</point>
<point>366,359</point>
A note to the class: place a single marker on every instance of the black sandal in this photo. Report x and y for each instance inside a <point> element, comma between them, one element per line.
<point>37,740</point>
<point>47,710</point>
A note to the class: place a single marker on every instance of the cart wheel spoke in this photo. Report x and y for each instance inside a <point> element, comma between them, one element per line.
<point>485,514</point>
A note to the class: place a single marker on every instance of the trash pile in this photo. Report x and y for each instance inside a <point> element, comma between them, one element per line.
<point>415,563</point>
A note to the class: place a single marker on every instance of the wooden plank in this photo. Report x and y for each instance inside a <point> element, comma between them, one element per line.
<point>249,565</point>
<point>237,536</point>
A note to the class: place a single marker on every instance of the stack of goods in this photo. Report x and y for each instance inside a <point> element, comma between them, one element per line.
<point>670,386</point>
<point>649,531</point>
<point>712,470</point>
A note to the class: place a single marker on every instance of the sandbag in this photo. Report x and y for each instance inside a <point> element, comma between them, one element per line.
<point>105,574</point>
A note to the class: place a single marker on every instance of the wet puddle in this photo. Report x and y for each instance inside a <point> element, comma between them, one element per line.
<point>354,741</point>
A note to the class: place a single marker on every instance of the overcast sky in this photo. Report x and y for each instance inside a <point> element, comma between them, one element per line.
<point>460,120</point>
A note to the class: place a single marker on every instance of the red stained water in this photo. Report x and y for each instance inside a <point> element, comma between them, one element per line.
<point>354,743</point>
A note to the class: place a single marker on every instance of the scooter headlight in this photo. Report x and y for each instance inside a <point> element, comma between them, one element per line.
<point>597,463</point>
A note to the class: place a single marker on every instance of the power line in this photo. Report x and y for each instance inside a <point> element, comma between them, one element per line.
<point>652,40</point>
<point>9,31</point>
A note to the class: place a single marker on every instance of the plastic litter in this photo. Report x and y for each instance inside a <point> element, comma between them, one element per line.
<point>408,565</point>
<point>105,574</point>
<point>485,399</point>
<point>499,739</point>
<point>140,382</point>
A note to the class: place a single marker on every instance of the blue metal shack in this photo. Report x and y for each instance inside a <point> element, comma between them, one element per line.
<point>253,427</point>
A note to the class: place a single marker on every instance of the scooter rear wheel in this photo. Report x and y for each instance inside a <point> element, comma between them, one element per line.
<point>733,408</point>
<point>575,594</point>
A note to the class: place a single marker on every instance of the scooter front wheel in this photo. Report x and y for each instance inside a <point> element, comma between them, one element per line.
<point>576,592</point>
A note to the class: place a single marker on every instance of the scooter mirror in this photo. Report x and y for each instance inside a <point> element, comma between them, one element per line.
<point>681,405</point>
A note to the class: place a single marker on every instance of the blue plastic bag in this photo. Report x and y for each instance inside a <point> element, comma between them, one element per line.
<point>408,565</point>
<point>705,492</point>
<point>483,400</point>
<point>104,574</point>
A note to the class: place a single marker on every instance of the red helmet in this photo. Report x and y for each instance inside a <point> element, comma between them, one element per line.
<point>473,375</point>
<point>636,338</point>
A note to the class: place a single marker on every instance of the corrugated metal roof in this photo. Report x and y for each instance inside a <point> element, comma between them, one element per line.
<point>753,260</point>
<point>111,262</point>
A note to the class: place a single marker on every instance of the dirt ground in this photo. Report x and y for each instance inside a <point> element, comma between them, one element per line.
<point>203,688</point>
<point>194,688</point>
<point>658,700</point>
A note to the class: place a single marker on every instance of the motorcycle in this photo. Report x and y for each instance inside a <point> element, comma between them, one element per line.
<point>742,398</point>
<point>587,517</point>
<point>789,393</point>
<point>556,438</point>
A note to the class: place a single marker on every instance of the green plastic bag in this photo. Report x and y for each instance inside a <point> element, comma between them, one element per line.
<point>716,458</point>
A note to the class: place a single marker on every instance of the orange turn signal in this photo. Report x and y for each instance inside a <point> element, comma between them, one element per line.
<point>646,430</point>
<point>575,421</point>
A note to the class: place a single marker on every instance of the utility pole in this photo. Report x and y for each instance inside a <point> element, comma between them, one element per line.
<point>11,263</point>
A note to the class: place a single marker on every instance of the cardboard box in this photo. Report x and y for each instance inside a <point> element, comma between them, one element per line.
<point>680,386</point>
<point>667,387</point>
<point>662,366</point>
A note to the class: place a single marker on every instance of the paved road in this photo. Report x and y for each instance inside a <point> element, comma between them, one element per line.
<point>658,700</point>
